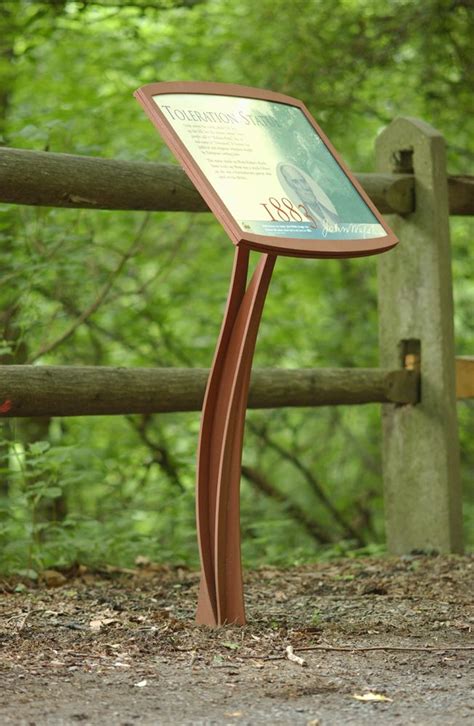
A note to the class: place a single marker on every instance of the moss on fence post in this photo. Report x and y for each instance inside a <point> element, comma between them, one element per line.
<point>420,448</point>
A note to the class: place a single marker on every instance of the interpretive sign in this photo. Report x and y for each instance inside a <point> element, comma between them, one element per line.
<point>266,170</point>
<point>274,181</point>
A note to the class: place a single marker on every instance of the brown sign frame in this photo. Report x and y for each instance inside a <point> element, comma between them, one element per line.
<point>221,595</point>
<point>295,247</point>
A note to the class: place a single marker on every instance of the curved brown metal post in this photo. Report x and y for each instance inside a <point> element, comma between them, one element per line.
<point>206,487</point>
<point>220,446</point>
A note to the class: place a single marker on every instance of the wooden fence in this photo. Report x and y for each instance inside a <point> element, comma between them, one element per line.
<point>416,383</point>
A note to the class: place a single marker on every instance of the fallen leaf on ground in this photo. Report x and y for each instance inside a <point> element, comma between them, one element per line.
<point>294,658</point>
<point>97,625</point>
<point>141,684</point>
<point>372,697</point>
<point>142,561</point>
<point>52,578</point>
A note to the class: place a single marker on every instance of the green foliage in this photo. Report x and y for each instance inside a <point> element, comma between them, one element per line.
<point>109,489</point>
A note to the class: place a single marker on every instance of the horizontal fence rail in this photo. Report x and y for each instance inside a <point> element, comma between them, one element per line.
<point>98,390</point>
<point>41,178</point>
<point>420,445</point>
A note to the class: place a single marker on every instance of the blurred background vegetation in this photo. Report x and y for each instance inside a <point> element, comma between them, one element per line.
<point>107,489</point>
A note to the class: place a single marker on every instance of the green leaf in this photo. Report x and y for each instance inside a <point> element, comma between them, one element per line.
<point>52,493</point>
<point>39,447</point>
<point>28,572</point>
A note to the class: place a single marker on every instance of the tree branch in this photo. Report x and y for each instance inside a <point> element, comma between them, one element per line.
<point>313,482</point>
<point>160,452</point>
<point>263,485</point>
<point>48,347</point>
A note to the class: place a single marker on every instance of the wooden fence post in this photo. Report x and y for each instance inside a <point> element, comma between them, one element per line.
<point>420,442</point>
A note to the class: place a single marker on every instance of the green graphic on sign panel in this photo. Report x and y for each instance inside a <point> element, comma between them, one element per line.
<point>269,166</point>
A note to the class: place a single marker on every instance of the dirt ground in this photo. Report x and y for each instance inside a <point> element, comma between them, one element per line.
<point>383,641</point>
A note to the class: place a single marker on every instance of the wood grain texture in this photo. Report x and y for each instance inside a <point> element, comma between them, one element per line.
<point>420,443</point>
<point>40,178</point>
<point>96,390</point>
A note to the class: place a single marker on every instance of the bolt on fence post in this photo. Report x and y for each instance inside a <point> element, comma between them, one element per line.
<point>420,442</point>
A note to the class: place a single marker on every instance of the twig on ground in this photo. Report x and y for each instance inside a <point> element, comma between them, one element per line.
<point>22,622</point>
<point>293,657</point>
<point>347,649</point>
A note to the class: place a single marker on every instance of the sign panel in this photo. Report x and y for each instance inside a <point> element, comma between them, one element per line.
<point>266,170</point>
